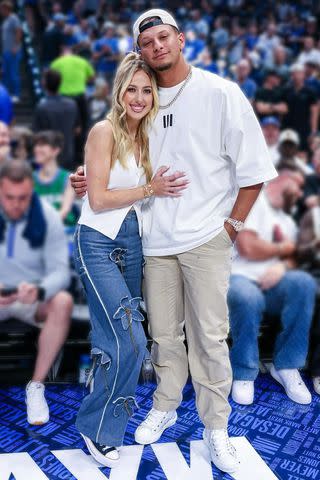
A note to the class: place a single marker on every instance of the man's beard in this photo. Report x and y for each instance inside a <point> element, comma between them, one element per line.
<point>163,68</point>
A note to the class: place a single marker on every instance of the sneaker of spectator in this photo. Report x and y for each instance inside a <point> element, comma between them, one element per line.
<point>5,152</point>
<point>316,384</point>
<point>293,384</point>
<point>271,130</point>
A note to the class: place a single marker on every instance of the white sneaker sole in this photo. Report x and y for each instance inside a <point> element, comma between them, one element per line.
<point>97,455</point>
<point>217,463</point>
<point>274,374</point>
<point>38,422</point>
<point>156,435</point>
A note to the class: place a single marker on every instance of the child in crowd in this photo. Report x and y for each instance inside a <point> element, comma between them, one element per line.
<point>50,180</point>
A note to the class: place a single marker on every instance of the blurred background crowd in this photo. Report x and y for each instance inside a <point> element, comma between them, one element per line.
<point>59,59</point>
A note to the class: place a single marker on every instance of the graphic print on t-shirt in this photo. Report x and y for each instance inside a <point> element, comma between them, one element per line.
<point>167,120</point>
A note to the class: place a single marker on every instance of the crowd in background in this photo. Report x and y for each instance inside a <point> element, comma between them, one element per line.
<point>271,49</point>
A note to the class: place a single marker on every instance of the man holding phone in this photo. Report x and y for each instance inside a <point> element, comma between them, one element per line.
<point>34,273</point>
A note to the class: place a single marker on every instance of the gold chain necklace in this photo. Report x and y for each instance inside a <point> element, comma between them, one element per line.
<point>177,95</point>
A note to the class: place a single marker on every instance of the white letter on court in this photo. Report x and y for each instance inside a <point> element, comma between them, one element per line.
<point>21,466</point>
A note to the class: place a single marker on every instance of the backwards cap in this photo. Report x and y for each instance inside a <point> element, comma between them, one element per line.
<point>156,17</point>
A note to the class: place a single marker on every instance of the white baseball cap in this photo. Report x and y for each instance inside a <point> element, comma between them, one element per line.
<point>289,135</point>
<point>157,17</point>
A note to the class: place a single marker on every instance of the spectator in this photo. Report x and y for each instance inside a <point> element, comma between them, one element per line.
<point>53,39</point>
<point>288,153</point>
<point>271,131</point>
<point>262,281</point>
<point>198,24</point>
<point>51,182</point>
<point>280,61</point>
<point>267,42</point>
<point>100,103</point>
<point>247,84</point>
<point>4,142</point>
<point>58,113</point>
<point>206,62</point>
<point>6,112</point>
<point>11,49</point>
<point>303,113</point>
<point>312,80</point>
<point>269,98</point>
<point>36,264</point>
<point>21,140</point>
<point>193,46</point>
<point>309,258</point>
<point>76,72</point>
<point>219,35</point>
<point>311,193</point>
<point>106,51</point>
<point>309,52</point>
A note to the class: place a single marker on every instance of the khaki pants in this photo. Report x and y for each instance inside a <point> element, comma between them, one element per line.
<point>189,290</point>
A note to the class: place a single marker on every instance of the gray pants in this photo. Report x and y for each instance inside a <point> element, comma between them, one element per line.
<point>189,290</point>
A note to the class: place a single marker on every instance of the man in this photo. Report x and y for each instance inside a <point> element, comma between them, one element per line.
<point>34,265</point>
<point>271,130</point>
<point>243,79</point>
<point>58,113</point>
<point>6,110</point>
<point>205,126</point>
<point>289,142</point>
<point>309,52</point>
<point>269,98</point>
<point>53,39</point>
<point>304,109</point>
<point>75,72</point>
<point>11,49</point>
<point>263,280</point>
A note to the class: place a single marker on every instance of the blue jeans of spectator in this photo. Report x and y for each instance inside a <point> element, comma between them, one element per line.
<point>292,298</point>
<point>11,72</point>
<point>111,273</point>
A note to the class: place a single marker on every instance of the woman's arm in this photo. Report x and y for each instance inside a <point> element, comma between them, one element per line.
<point>98,153</point>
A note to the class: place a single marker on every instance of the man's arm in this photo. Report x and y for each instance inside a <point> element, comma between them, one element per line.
<point>314,117</point>
<point>252,247</point>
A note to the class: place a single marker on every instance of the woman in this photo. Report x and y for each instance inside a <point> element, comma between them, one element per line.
<point>108,253</point>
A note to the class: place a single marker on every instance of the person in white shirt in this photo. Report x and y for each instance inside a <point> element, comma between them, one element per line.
<point>207,128</point>
<point>271,130</point>
<point>264,280</point>
<point>309,52</point>
<point>108,254</point>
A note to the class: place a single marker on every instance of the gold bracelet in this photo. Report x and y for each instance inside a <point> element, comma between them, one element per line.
<point>148,190</point>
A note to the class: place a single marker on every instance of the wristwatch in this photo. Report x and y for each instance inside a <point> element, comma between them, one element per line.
<point>238,225</point>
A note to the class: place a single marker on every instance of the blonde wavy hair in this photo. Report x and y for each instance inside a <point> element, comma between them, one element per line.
<point>123,144</point>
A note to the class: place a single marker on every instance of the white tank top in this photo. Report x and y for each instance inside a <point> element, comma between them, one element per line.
<point>109,221</point>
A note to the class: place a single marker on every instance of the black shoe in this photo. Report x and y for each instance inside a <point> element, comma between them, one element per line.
<point>107,456</point>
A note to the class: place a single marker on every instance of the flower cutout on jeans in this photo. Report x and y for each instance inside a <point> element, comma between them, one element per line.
<point>128,403</point>
<point>117,256</point>
<point>128,311</point>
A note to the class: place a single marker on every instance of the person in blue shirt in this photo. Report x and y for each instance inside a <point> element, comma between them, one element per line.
<point>6,110</point>
<point>106,51</point>
<point>247,85</point>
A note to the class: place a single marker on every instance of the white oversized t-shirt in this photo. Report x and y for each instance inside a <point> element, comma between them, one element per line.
<point>262,220</point>
<point>212,134</point>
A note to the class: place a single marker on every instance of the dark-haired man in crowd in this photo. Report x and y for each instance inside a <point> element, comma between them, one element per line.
<point>58,113</point>
<point>34,274</point>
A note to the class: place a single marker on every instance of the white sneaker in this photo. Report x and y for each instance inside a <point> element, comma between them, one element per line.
<point>156,422</point>
<point>103,454</point>
<point>293,384</point>
<point>37,407</point>
<point>242,391</point>
<point>316,384</point>
<point>222,452</point>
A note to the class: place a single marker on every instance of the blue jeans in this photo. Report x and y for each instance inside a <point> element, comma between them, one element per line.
<point>11,72</point>
<point>111,272</point>
<point>293,298</point>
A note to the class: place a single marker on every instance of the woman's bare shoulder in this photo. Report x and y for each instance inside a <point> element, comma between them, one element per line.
<point>102,132</point>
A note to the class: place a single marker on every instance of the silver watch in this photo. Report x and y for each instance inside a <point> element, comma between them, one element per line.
<point>238,225</point>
